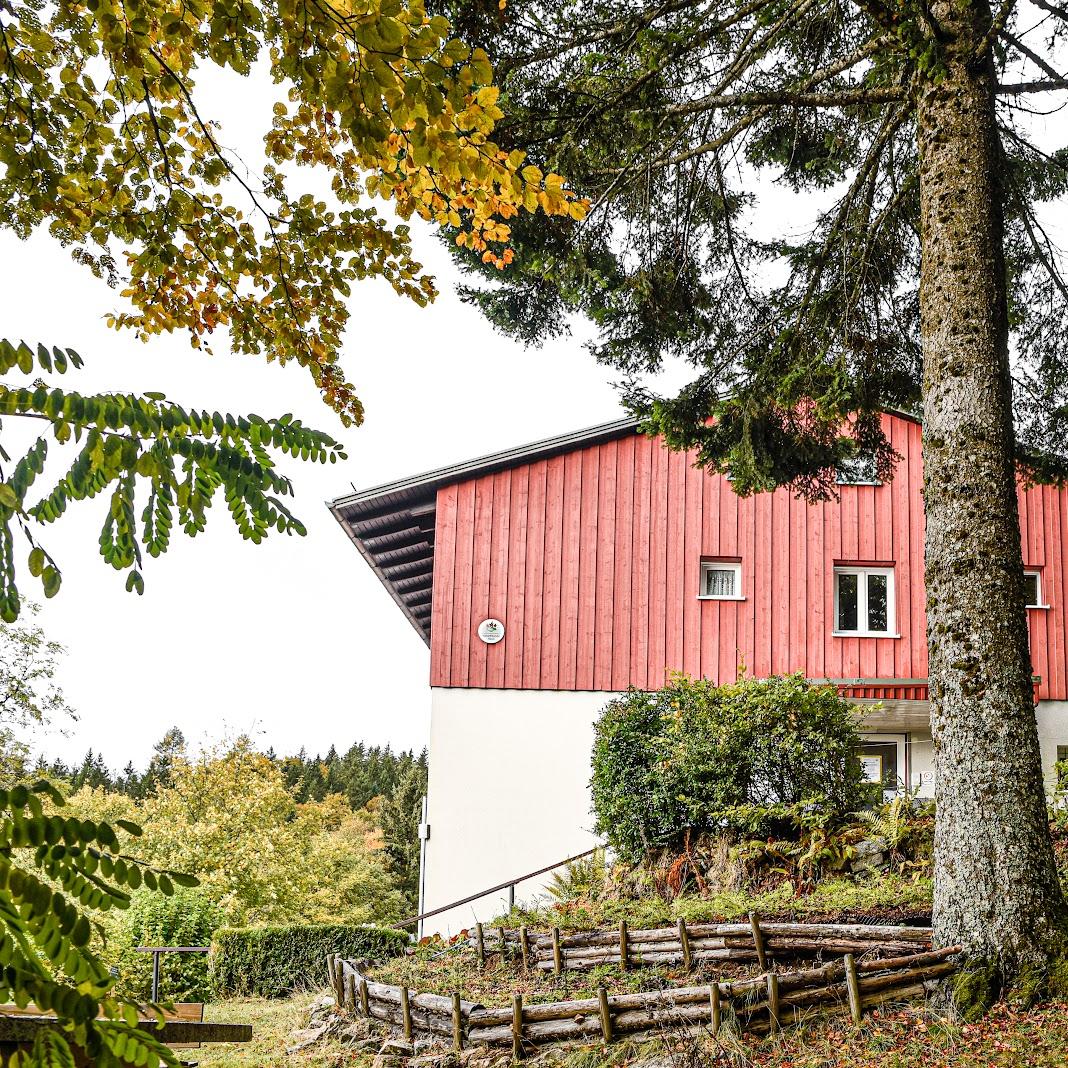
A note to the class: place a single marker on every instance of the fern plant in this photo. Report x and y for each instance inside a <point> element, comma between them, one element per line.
<point>903,829</point>
<point>582,878</point>
<point>55,872</point>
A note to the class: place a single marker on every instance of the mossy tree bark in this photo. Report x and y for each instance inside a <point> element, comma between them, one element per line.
<point>996,886</point>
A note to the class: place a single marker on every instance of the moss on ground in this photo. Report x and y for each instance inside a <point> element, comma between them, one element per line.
<point>882,899</point>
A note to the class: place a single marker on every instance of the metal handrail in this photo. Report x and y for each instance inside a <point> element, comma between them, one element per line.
<point>508,884</point>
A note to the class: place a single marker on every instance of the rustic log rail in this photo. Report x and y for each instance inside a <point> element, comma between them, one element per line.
<point>757,1004</point>
<point>690,944</point>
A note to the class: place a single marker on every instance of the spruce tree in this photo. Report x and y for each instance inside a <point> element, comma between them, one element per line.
<point>906,131</point>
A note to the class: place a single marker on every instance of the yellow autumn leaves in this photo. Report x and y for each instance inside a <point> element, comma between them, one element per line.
<point>110,143</point>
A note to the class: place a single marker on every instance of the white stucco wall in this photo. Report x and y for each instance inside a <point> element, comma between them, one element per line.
<point>1052,731</point>
<point>508,793</point>
<point>509,789</point>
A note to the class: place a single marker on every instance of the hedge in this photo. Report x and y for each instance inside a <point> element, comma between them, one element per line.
<point>272,962</point>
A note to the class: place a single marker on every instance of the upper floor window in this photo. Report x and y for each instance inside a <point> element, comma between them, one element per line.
<point>721,580</point>
<point>864,601</point>
<point>858,470</point>
<point>1033,590</point>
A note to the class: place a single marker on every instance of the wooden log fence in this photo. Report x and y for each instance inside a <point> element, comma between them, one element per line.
<point>689,944</point>
<point>758,1004</point>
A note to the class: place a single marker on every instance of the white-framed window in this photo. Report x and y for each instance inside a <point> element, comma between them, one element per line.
<point>721,580</point>
<point>864,601</point>
<point>1033,590</point>
<point>858,470</point>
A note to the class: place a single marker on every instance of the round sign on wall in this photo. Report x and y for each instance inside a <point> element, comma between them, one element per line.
<point>491,631</point>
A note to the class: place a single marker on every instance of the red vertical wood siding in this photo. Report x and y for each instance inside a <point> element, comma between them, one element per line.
<point>592,561</point>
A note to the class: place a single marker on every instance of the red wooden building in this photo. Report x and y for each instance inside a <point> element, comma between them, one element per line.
<point>548,577</point>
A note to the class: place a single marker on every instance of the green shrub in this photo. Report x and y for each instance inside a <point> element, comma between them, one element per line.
<point>751,759</point>
<point>188,918</point>
<point>272,962</point>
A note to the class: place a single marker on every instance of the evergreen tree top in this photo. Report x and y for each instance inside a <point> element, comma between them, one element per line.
<point>673,118</point>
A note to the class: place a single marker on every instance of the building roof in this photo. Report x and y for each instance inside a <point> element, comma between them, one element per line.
<point>392,525</point>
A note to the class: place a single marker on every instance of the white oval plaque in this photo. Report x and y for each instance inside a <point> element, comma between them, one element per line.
<point>491,631</point>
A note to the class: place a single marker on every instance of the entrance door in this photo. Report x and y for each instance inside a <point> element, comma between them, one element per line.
<point>881,760</point>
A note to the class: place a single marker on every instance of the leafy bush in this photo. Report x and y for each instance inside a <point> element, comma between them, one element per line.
<point>750,759</point>
<point>271,962</point>
<point>188,918</point>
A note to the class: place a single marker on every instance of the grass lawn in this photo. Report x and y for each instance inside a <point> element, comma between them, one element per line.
<point>273,1022</point>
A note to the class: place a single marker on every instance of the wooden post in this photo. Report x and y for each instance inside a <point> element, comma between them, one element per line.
<point>406,1014</point>
<point>350,990</point>
<point>606,1014</point>
<point>339,981</point>
<point>517,1026</point>
<point>717,1011</point>
<point>480,943</point>
<point>623,944</point>
<point>558,957</point>
<point>457,1023</point>
<point>365,1006</point>
<point>856,1007</point>
<point>758,941</point>
<point>524,949</point>
<point>504,946</point>
<point>773,1002</point>
<point>684,938</point>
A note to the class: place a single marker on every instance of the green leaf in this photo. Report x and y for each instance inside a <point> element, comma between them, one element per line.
<point>51,580</point>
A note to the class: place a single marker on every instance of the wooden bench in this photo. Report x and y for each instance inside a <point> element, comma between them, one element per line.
<point>19,1028</point>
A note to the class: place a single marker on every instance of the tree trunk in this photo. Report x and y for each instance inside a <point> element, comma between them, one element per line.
<point>996,886</point>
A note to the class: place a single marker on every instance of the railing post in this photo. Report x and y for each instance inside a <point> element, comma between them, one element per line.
<point>684,942</point>
<point>606,1014</point>
<point>517,1026</point>
<point>773,1002</point>
<point>155,975</point>
<point>856,1007</point>
<point>406,1013</point>
<point>758,941</point>
<point>457,1023</point>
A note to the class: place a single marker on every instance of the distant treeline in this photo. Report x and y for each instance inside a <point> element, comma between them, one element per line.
<point>360,774</point>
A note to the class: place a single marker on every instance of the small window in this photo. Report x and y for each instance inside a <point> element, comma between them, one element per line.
<point>1033,589</point>
<point>858,470</point>
<point>864,600</point>
<point>721,581</point>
